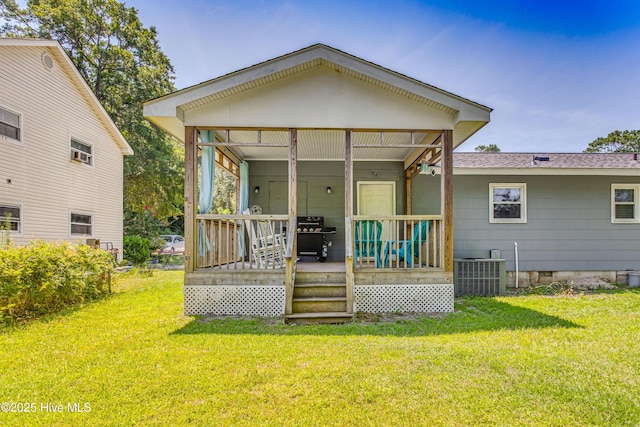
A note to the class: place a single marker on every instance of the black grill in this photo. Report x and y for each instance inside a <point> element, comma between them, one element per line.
<point>312,237</point>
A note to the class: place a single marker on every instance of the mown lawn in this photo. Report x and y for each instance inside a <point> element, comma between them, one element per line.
<point>133,359</point>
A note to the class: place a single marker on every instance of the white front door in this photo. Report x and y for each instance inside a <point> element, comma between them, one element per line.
<point>377,198</point>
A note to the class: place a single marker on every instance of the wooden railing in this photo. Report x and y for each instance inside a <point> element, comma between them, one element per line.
<point>399,241</point>
<point>240,241</point>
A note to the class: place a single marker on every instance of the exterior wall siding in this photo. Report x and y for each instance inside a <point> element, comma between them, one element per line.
<point>43,179</point>
<point>568,223</point>
<point>313,179</point>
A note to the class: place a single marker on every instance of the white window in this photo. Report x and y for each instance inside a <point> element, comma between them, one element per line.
<point>10,219</point>
<point>9,124</point>
<point>81,224</point>
<point>81,152</point>
<point>624,203</point>
<point>508,203</point>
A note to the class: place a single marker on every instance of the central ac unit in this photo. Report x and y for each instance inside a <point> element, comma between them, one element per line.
<point>479,277</point>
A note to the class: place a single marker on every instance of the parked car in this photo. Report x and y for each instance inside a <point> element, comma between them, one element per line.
<point>174,244</point>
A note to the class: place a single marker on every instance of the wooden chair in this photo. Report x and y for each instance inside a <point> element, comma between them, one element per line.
<point>408,249</point>
<point>267,245</point>
<point>368,242</point>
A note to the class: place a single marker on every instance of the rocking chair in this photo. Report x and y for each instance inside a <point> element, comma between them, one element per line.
<point>267,245</point>
<point>408,249</point>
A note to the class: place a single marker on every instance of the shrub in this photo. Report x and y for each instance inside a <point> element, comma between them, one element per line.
<point>136,249</point>
<point>46,277</point>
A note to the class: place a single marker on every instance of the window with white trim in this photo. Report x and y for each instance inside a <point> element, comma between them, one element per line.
<point>81,152</point>
<point>508,203</point>
<point>81,224</point>
<point>625,203</point>
<point>9,124</point>
<point>10,218</point>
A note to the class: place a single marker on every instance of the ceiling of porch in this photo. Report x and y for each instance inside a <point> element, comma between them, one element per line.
<point>328,145</point>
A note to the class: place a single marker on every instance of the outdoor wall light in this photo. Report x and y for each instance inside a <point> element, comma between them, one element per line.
<point>256,190</point>
<point>329,190</point>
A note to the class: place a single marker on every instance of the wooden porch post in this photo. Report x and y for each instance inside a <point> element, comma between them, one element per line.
<point>190,194</point>
<point>291,251</point>
<point>408,180</point>
<point>446,187</point>
<point>348,217</point>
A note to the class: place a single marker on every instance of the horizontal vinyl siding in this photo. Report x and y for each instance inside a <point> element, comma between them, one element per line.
<point>568,223</point>
<point>48,185</point>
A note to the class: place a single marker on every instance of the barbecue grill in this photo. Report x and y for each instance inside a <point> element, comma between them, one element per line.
<point>312,237</point>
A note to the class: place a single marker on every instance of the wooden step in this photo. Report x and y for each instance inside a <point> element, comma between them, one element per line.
<point>320,290</point>
<point>318,318</point>
<point>324,277</point>
<point>319,304</point>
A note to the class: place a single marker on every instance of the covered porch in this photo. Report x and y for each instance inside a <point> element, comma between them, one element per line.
<point>318,133</point>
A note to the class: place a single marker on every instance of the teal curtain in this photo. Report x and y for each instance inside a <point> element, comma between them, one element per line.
<point>207,178</point>
<point>243,199</point>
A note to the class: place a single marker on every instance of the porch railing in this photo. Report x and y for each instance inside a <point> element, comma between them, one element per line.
<point>238,242</point>
<point>399,241</point>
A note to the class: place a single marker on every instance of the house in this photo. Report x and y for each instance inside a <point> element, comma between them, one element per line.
<point>61,155</point>
<point>571,215</point>
<point>317,133</point>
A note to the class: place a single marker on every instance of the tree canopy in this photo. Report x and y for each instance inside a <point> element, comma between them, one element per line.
<point>627,141</point>
<point>491,148</point>
<point>123,63</point>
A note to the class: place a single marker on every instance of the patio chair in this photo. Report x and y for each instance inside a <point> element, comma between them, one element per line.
<point>267,245</point>
<point>368,242</point>
<point>408,249</point>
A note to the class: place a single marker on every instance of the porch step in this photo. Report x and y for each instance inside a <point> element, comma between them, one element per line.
<point>318,318</point>
<point>305,277</point>
<point>319,305</point>
<point>311,290</point>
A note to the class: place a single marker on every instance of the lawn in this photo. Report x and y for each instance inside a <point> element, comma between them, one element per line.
<point>134,359</point>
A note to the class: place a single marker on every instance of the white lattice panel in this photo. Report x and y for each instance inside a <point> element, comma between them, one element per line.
<point>414,298</point>
<point>267,301</point>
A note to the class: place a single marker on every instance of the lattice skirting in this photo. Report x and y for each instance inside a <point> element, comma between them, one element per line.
<point>265,301</point>
<point>415,298</point>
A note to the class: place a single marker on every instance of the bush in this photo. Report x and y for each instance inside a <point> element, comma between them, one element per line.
<point>136,249</point>
<point>46,277</point>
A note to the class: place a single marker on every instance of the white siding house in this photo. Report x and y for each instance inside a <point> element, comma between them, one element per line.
<point>61,155</point>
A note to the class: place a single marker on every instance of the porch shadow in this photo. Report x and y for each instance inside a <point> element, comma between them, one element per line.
<point>470,315</point>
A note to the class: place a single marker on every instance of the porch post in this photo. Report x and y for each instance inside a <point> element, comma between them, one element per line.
<point>190,194</point>
<point>291,249</point>
<point>446,188</point>
<point>348,217</point>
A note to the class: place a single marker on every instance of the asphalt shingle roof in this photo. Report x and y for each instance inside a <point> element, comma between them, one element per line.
<point>556,160</point>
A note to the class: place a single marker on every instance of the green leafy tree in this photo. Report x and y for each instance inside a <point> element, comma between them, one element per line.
<point>627,141</point>
<point>491,148</point>
<point>123,63</point>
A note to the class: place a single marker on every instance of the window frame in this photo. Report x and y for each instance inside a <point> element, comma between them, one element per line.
<point>91,224</point>
<point>20,217</point>
<point>78,157</point>
<point>635,203</point>
<point>20,125</point>
<point>522,186</point>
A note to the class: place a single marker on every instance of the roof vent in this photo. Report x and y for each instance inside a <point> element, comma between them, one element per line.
<point>47,61</point>
<point>539,159</point>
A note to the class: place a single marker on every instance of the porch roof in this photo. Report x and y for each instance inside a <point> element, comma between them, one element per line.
<point>321,90</point>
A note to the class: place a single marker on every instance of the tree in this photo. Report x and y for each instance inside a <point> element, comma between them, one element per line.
<point>491,148</point>
<point>124,65</point>
<point>627,141</point>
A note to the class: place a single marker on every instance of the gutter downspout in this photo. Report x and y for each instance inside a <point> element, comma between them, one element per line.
<point>515,249</point>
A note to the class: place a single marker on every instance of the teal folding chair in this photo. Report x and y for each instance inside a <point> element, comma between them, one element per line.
<point>368,240</point>
<point>408,249</point>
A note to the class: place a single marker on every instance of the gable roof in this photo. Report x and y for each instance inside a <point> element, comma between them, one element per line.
<point>168,112</point>
<point>546,164</point>
<point>55,49</point>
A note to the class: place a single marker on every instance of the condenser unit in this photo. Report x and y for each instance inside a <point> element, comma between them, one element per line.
<point>479,276</point>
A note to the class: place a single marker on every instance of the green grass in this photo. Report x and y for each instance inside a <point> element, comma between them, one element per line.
<point>136,360</point>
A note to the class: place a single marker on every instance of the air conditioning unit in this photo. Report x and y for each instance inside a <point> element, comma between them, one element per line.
<point>479,277</point>
<point>80,156</point>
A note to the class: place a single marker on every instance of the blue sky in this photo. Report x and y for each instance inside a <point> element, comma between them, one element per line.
<point>558,74</point>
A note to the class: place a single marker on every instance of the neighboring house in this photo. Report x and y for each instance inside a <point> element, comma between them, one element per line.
<point>571,215</point>
<point>317,133</point>
<point>61,155</point>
